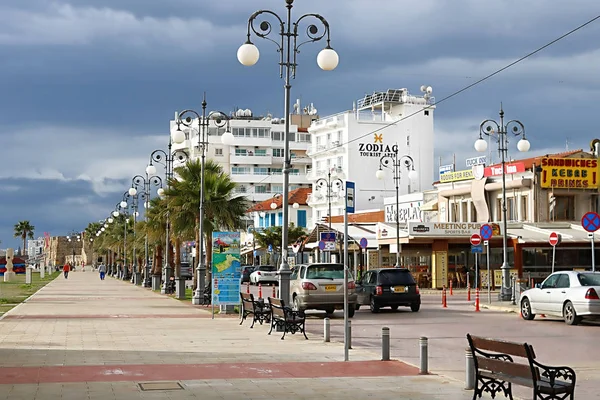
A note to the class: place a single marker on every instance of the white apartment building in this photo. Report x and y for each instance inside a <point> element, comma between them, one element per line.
<point>35,247</point>
<point>350,145</point>
<point>255,160</point>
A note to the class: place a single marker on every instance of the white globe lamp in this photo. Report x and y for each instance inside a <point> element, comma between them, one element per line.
<point>177,135</point>
<point>227,138</point>
<point>328,59</point>
<point>248,54</point>
<point>413,175</point>
<point>480,145</point>
<point>132,191</point>
<point>160,192</point>
<point>151,170</point>
<point>123,204</point>
<point>523,145</point>
<point>380,174</point>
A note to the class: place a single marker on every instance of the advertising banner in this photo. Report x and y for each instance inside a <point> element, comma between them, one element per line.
<point>226,268</point>
<point>569,173</point>
<point>457,176</point>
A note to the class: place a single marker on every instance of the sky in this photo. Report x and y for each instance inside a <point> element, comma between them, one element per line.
<point>87,87</point>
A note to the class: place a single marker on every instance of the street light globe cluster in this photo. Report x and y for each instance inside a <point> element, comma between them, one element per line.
<point>327,59</point>
<point>523,145</point>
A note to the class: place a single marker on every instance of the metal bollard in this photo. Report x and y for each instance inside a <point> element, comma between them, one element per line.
<point>326,330</point>
<point>470,370</point>
<point>385,344</point>
<point>514,290</point>
<point>424,355</point>
<point>349,334</point>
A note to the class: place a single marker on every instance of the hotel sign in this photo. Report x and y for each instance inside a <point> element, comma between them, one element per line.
<point>496,170</point>
<point>569,173</point>
<point>377,148</point>
<point>443,228</point>
<point>463,175</point>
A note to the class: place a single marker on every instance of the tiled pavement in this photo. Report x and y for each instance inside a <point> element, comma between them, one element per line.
<point>83,338</point>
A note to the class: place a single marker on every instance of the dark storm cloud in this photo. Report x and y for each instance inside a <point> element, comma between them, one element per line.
<point>87,88</point>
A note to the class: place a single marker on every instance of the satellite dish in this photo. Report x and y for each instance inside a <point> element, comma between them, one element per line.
<point>429,90</point>
<point>423,88</point>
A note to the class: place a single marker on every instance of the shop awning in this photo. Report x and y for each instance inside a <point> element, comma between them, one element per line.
<point>540,233</point>
<point>430,206</point>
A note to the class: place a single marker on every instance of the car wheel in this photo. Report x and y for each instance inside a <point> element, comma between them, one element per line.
<point>526,313</point>
<point>415,307</point>
<point>374,307</point>
<point>570,315</point>
<point>351,310</point>
<point>357,306</point>
<point>296,304</point>
<point>394,308</point>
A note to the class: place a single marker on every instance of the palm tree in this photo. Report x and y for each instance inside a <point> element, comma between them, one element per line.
<point>221,209</point>
<point>272,236</point>
<point>24,230</point>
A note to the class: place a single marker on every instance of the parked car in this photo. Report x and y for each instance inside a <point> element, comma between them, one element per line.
<point>264,274</point>
<point>321,287</point>
<point>571,295</point>
<point>388,287</point>
<point>187,271</point>
<point>245,273</point>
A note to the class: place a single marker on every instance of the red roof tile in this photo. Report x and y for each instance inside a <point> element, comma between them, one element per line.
<point>299,196</point>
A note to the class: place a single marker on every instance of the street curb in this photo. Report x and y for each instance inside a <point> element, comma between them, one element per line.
<point>26,300</point>
<point>500,308</point>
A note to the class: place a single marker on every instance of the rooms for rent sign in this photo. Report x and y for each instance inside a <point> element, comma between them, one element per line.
<point>570,173</point>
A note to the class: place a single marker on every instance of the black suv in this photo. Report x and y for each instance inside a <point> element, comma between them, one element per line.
<point>388,287</point>
<point>246,271</point>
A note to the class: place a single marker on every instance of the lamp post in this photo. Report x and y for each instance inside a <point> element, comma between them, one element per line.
<point>396,163</point>
<point>167,159</point>
<point>220,120</point>
<point>500,130</point>
<point>72,239</point>
<point>136,182</point>
<point>125,205</point>
<point>253,229</point>
<point>288,48</point>
<point>329,184</point>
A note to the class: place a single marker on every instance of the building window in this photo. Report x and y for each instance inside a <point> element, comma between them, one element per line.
<point>260,152</point>
<point>292,136</point>
<point>524,208</point>
<point>304,137</point>
<point>276,171</point>
<point>426,112</point>
<point>260,189</point>
<point>276,188</point>
<point>241,152</point>
<point>340,162</point>
<point>562,208</point>
<point>294,171</point>
<point>473,213</point>
<point>280,219</point>
<point>240,170</point>
<point>301,216</point>
<point>272,219</point>
<point>240,189</point>
<point>277,136</point>
<point>238,132</point>
<point>261,171</point>
<point>454,210</point>
<point>264,132</point>
<point>278,153</point>
<point>218,152</point>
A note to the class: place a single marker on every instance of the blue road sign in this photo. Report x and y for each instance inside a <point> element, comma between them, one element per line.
<point>322,245</point>
<point>591,221</point>
<point>328,236</point>
<point>486,231</point>
<point>350,188</point>
<point>270,248</point>
<point>477,249</point>
<point>363,243</point>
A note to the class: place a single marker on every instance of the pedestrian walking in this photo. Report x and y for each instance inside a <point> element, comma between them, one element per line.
<point>66,270</point>
<point>102,270</point>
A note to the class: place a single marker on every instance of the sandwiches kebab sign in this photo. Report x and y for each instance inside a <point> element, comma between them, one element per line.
<point>569,173</point>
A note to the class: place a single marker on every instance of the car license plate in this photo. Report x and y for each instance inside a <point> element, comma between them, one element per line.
<point>400,289</point>
<point>330,288</point>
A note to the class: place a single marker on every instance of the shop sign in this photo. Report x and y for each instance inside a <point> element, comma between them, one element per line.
<point>376,148</point>
<point>443,228</point>
<point>444,169</point>
<point>408,212</point>
<point>476,161</point>
<point>496,170</point>
<point>463,175</point>
<point>569,173</point>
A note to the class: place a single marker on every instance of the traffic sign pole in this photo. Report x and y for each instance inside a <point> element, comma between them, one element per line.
<point>593,260</point>
<point>554,255</point>
<point>489,283</point>
<point>476,271</point>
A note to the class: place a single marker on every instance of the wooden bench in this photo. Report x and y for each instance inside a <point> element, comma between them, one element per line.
<point>496,371</point>
<point>259,310</point>
<point>285,318</point>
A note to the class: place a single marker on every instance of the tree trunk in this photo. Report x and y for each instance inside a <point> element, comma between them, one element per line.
<point>157,261</point>
<point>177,256</point>
<point>24,248</point>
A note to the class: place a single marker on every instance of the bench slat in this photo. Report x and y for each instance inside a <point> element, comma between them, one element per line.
<point>504,367</point>
<point>499,346</point>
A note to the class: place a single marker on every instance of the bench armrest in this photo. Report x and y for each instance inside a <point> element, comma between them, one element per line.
<point>552,373</point>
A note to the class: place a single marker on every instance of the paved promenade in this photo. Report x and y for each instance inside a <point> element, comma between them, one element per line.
<point>83,338</point>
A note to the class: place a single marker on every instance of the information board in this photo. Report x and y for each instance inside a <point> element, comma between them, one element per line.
<point>226,268</point>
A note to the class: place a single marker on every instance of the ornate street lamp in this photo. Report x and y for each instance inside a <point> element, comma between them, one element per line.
<point>332,185</point>
<point>167,159</point>
<point>288,48</point>
<point>220,120</point>
<point>500,130</point>
<point>72,238</point>
<point>396,164</point>
<point>136,182</point>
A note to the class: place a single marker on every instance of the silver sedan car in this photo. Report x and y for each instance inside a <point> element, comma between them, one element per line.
<point>571,295</point>
<point>320,286</point>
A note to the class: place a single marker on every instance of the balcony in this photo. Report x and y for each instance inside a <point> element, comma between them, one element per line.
<point>316,149</point>
<point>251,159</point>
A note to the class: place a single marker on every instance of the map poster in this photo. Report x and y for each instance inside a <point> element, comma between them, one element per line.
<point>226,270</point>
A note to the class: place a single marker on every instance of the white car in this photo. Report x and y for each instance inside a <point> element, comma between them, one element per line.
<point>571,295</point>
<point>264,274</point>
